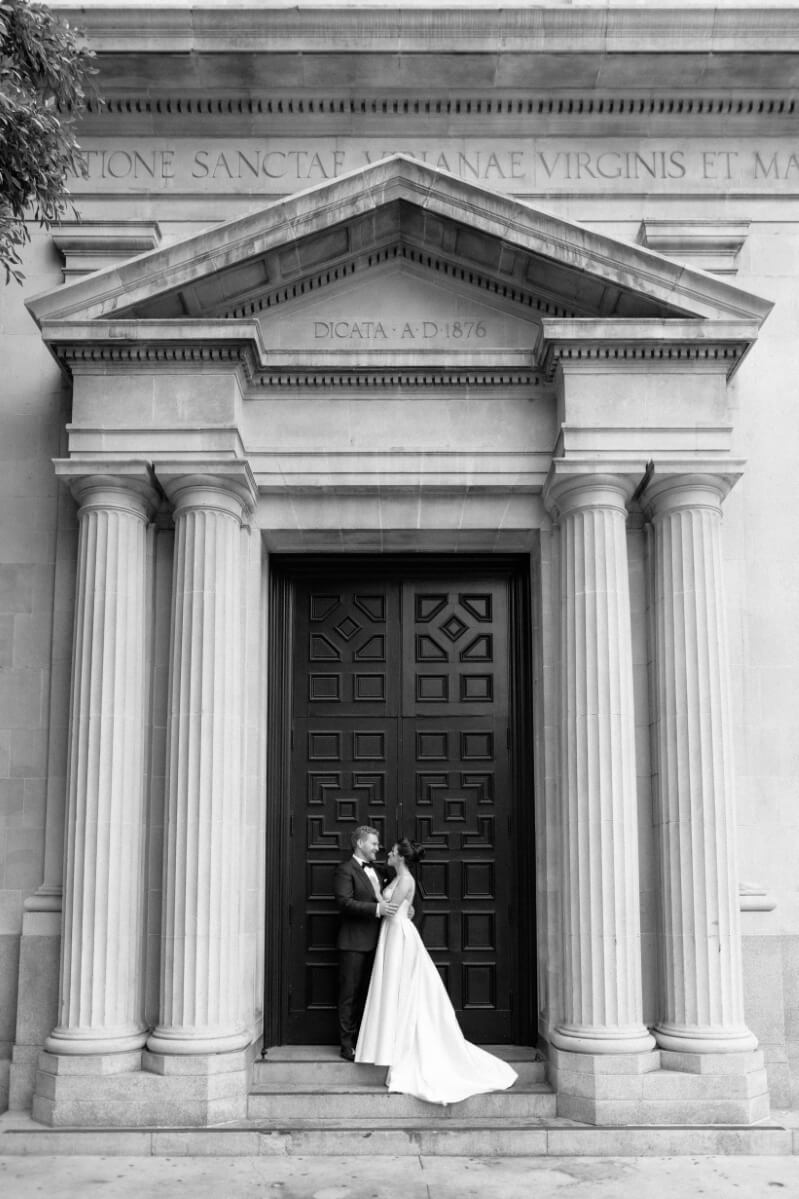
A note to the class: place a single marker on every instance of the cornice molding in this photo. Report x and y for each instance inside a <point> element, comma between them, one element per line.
<point>88,345</point>
<point>720,344</point>
<point>86,357</point>
<point>584,105</point>
<point>387,377</point>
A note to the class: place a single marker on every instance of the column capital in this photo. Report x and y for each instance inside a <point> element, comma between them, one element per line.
<point>222,485</point>
<point>124,484</point>
<point>693,489</point>
<point>588,486</point>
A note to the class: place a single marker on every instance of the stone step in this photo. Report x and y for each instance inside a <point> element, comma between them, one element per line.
<point>457,1137</point>
<point>314,1065</point>
<point>278,1103</point>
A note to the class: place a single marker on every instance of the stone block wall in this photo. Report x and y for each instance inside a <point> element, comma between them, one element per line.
<point>35,619</point>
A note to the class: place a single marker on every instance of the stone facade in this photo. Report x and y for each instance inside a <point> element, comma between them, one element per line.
<point>346,281</point>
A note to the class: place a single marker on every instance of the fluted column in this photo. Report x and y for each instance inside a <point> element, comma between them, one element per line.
<point>100,999</point>
<point>200,999</point>
<point>601,925</point>
<point>701,998</point>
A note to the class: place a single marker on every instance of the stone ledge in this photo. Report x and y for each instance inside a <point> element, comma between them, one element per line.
<point>90,1064</point>
<point>712,1063</point>
<point>552,1137</point>
<point>196,1063</point>
<point>628,1064</point>
<point>614,1113</point>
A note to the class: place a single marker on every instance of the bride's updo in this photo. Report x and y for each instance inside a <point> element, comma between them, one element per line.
<point>411,851</point>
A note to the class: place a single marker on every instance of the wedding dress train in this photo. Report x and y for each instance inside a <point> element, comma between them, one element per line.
<point>410,1026</point>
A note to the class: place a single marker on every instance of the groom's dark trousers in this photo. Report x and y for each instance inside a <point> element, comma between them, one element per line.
<point>357,940</point>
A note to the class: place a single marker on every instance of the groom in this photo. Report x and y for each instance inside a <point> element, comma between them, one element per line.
<point>357,885</point>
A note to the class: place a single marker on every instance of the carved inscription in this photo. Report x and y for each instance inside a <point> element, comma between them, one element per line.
<point>358,331</point>
<point>517,166</point>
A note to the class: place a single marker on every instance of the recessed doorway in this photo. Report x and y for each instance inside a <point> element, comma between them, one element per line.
<point>400,694</point>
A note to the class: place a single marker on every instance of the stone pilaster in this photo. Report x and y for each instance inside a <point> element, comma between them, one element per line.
<point>702,995</point>
<point>100,998</point>
<point>601,928</point>
<point>200,994</point>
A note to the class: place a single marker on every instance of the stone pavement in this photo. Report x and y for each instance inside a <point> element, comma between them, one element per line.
<point>388,1177</point>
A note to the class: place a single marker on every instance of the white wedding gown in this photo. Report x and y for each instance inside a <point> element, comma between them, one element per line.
<point>410,1025</point>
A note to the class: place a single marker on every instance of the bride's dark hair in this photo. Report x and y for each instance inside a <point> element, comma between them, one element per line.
<point>411,851</point>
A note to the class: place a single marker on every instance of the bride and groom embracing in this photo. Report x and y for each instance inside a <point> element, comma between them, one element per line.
<point>393,1008</point>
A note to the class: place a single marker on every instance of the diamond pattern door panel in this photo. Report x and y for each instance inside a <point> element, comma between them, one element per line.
<point>456,642</point>
<point>399,718</point>
<point>342,650</point>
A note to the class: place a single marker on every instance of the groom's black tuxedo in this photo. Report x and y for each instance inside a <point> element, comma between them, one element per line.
<point>357,905</point>
<point>357,940</point>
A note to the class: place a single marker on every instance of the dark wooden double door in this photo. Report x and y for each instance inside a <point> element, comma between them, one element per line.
<point>401,720</point>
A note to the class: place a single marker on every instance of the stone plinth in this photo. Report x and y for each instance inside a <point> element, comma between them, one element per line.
<point>131,1091</point>
<point>660,1088</point>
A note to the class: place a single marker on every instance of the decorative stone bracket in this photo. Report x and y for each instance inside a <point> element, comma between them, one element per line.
<point>712,246</point>
<point>90,246</point>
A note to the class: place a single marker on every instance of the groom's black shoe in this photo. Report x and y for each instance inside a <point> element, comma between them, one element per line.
<point>347,1053</point>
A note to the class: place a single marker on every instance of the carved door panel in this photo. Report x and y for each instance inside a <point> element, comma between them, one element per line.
<point>345,774</point>
<point>455,789</point>
<point>399,720</point>
<point>344,770</point>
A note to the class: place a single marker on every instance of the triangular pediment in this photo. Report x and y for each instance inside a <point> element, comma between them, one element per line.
<point>505,254</point>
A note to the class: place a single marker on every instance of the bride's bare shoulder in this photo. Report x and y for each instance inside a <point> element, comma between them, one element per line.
<point>404,890</point>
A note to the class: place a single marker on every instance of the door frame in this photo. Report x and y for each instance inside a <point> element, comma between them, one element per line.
<point>285,570</point>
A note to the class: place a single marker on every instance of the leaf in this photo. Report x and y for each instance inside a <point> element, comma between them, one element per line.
<point>46,84</point>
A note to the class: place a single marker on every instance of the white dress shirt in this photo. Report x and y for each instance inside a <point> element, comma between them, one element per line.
<point>371,874</point>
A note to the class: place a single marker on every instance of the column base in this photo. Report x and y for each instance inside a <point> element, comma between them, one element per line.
<point>182,1042</point>
<point>86,1043</point>
<point>579,1039</point>
<point>94,1092</point>
<point>710,1040</point>
<point>659,1088</point>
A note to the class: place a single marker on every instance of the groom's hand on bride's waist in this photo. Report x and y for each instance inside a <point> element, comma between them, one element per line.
<point>386,909</point>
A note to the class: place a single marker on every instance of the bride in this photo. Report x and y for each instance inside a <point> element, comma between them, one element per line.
<point>409,1023</point>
